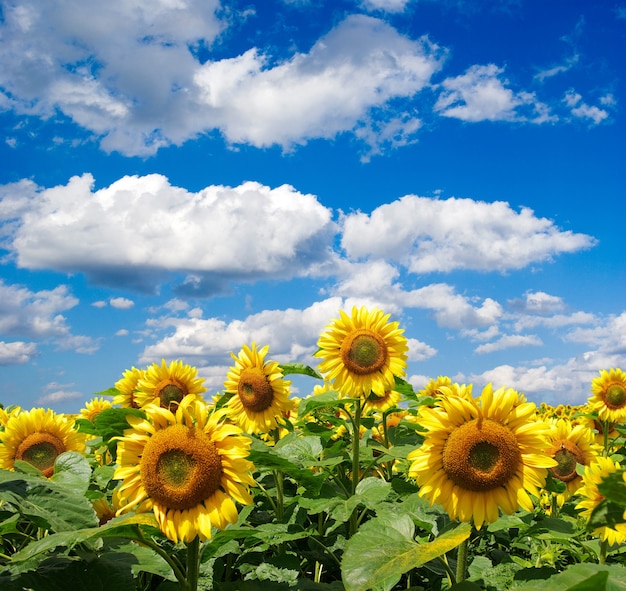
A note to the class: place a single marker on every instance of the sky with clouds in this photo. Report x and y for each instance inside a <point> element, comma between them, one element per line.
<point>181,177</point>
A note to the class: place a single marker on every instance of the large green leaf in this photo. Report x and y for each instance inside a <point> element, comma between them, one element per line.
<point>50,505</point>
<point>72,469</point>
<point>384,549</point>
<point>299,368</point>
<point>582,577</point>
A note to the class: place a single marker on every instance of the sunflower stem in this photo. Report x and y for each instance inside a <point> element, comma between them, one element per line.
<point>170,559</point>
<point>193,565</point>
<point>461,561</point>
<point>604,544</point>
<point>605,433</point>
<point>280,495</point>
<point>356,440</point>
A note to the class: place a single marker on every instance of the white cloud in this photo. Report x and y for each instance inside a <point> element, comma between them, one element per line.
<point>131,74</point>
<point>538,302</point>
<point>385,5</point>
<point>360,64</point>
<point>17,352</point>
<point>556,321</point>
<point>481,95</point>
<point>139,229</point>
<point>34,314</point>
<point>507,341</point>
<point>58,396</point>
<point>582,110</point>
<point>609,337</point>
<point>431,235</point>
<point>121,303</point>
<point>121,333</point>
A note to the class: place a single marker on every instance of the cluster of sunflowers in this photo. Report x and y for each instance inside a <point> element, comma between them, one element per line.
<point>186,459</point>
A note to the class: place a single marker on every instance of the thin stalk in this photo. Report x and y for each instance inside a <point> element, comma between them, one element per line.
<point>280,495</point>
<point>461,561</point>
<point>193,565</point>
<point>171,560</point>
<point>449,572</point>
<point>356,440</point>
<point>605,431</point>
<point>554,512</point>
<point>603,548</point>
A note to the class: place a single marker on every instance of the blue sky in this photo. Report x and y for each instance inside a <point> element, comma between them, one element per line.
<point>180,177</point>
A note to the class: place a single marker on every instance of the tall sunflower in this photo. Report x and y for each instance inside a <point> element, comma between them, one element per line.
<point>570,445</point>
<point>260,392</point>
<point>38,436</point>
<point>592,476</point>
<point>168,384</point>
<point>186,466</point>
<point>362,352</point>
<point>127,388</point>
<point>481,454</point>
<point>609,395</point>
<point>94,407</point>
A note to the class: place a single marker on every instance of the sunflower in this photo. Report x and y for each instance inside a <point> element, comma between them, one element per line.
<point>127,388</point>
<point>260,392</point>
<point>186,466</point>
<point>376,403</point>
<point>38,436</point>
<point>593,475</point>
<point>94,407</point>
<point>570,445</point>
<point>481,454</point>
<point>609,396</point>
<point>362,352</point>
<point>168,384</point>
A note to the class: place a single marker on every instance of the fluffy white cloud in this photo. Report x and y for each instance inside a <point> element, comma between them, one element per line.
<point>582,110</point>
<point>139,228</point>
<point>481,95</point>
<point>360,64</point>
<point>121,303</point>
<point>17,352</point>
<point>132,73</point>
<point>427,235</point>
<point>34,314</point>
<point>385,5</point>
<point>507,341</point>
<point>538,302</point>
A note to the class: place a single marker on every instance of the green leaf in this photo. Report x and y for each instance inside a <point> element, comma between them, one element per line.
<point>582,577</point>
<point>111,422</point>
<point>72,470</point>
<point>613,489</point>
<point>383,550</point>
<point>300,368</point>
<point>329,399</point>
<point>48,504</point>
<point>303,450</point>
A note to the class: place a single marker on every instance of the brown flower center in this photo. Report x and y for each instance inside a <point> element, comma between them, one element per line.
<point>255,390</point>
<point>481,455</point>
<point>170,391</point>
<point>364,352</point>
<point>567,454</point>
<point>40,450</point>
<point>180,467</point>
<point>615,396</point>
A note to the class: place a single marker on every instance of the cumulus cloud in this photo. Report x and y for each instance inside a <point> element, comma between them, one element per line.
<point>121,303</point>
<point>430,235</point>
<point>385,5</point>
<point>581,110</point>
<point>360,64</point>
<point>508,341</point>
<point>482,95</point>
<point>139,230</point>
<point>56,393</point>
<point>538,302</point>
<point>17,352</point>
<point>133,74</point>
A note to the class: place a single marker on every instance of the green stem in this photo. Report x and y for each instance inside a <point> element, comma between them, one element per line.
<point>356,440</point>
<point>555,506</point>
<point>605,431</point>
<point>603,548</point>
<point>461,561</point>
<point>444,562</point>
<point>193,565</point>
<point>171,560</point>
<point>280,495</point>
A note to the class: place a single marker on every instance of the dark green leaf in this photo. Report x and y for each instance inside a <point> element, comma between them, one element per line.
<point>299,368</point>
<point>72,470</point>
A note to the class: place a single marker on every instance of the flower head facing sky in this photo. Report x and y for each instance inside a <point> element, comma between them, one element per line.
<point>38,437</point>
<point>188,467</point>
<point>481,455</point>
<point>362,352</point>
<point>260,393</point>
<point>609,395</point>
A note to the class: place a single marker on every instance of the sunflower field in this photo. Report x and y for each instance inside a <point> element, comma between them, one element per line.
<point>364,484</point>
